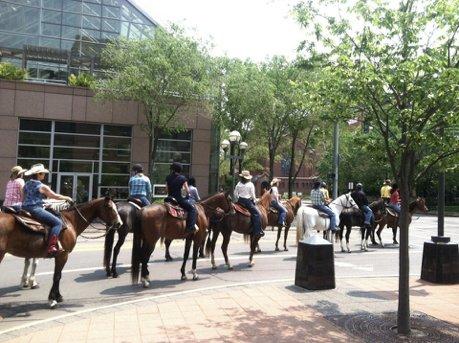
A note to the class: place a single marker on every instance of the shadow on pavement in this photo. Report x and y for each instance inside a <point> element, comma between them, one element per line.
<point>134,289</point>
<point>25,310</point>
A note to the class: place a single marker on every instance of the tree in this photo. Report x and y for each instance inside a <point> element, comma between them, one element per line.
<point>400,65</point>
<point>164,74</point>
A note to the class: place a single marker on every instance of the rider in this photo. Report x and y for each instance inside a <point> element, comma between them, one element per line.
<point>318,202</point>
<point>323,188</point>
<point>385,191</point>
<point>174,184</point>
<point>394,202</point>
<point>140,185</point>
<point>361,200</point>
<point>275,201</point>
<point>245,194</point>
<point>34,192</point>
<point>14,188</point>
<point>194,194</point>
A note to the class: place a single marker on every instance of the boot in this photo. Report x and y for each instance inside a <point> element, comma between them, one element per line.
<point>52,245</point>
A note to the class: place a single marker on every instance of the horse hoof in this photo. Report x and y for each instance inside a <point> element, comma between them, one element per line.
<point>251,264</point>
<point>52,304</point>
<point>35,286</point>
<point>115,275</point>
<point>214,266</point>
<point>285,249</point>
<point>25,285</point>
<point>230,268</point>
<point>277,249</point>
<point>342,250</point>
<point>183,278</point>
<point>109,274</point>
<point>349,251</point>
<point>395,242</point>
<point>195,277</point>
<point>169,259</point>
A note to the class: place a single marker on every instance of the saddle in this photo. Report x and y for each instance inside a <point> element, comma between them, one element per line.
<point>26,220</point>
<point>174,209</point>
<point>321,214</point>
<point>136,202</point>
<point>392,212</point>
<point>241,209</point>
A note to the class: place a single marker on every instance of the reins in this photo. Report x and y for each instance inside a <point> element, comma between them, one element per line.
<point>92,226</point>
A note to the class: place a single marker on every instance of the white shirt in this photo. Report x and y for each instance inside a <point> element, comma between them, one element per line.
<point>245,190</point>
<point>274,194</point>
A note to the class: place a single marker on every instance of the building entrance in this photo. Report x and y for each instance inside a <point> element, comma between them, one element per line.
<point>78,186</point>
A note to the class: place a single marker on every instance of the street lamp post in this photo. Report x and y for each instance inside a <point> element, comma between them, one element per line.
<point>237,151</point>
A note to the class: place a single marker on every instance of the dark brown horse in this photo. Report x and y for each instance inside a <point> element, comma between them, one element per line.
<point>292,205</point>
<point>391,221</point>
<point>156,223</point>
<point>17,241</point>
<point>241,224</point>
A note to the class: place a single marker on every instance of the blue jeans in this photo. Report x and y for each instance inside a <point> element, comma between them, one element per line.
<point>47,218</point>
<point>397,208</point>
<point>282,211</point>
<point>330,214</point>
<point>187,205</point>
<point>255,215</point>
<point>368,214</point>
<point>142,198</point>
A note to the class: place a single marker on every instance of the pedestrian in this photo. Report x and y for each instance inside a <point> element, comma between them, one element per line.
<point>394,201</point>
<point>14,188</point>
<point>385,191</point>
<point>361,200</point>
<point>194,194</point>
<point>175,182</point>
<point>244,192</point>
<point>318,202</point>
<point>275,201</point>
<point>34,193</point>
<point>140,185</point>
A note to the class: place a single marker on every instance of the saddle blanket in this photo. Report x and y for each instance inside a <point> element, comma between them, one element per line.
<point>175,211</point>
<point>242,210</point>
<point>392,212</point>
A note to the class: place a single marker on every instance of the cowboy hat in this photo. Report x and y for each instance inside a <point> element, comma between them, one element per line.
<point>17,170</point>
<point>387,181</point>
<point>246,175</point>
<point>275,180</point>
<point>36,169</point>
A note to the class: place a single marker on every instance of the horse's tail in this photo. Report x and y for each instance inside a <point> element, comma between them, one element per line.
<point>161,241</point>
<point>299,225</point>
<point>209,241</point>
<point>136,252</point>
<point>108,246</point>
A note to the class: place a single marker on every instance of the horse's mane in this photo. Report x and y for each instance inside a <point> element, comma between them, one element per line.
<point>294,202</point>
<point>265,200</point>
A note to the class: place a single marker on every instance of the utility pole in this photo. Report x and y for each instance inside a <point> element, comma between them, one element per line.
<point>335,159</point>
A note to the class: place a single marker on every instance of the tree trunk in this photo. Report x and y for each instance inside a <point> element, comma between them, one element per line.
<point>291,171</point>
<point>272,155</point>
<point>403,315</point>
<point>153,147</point>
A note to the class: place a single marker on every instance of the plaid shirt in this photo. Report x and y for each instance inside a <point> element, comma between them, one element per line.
<point>317,197</point>
<point>13,194</point>
<point>140,185</point>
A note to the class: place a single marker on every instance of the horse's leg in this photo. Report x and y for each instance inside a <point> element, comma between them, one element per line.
<point>108,245</point>
<point>212,251</point>
<point>279,232</point>
<point>32,281</point>
<point>196,249</point>
<point>201,248</point>
<point>378,233</point>
<point>116,251</point>
<point>394,233</point>
<point>185,257</point>
<point>368,233</point>
<point>24,278</point>
<point>340,236</point>
<point>167,243</point>
<point>348,235</point>
<point>59,262</point>
<point>362,241</point>
<point>287,227</point>
<point>253,245</point>
<point>147,250</point>
<point>226,240</point>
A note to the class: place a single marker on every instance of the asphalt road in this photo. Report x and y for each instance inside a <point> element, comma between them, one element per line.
<point>84,284</point>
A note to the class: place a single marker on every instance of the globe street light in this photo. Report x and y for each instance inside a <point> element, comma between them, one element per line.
<point>233,143</point>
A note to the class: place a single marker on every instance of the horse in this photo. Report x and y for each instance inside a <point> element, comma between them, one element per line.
<point>392,221</point>
<point>156,223</point>
<point>353,217</point>
<point>241,224</point>
<point>309,219</point>
<point>17,241</point>
<point>292,205</point>
<point>129,214</point>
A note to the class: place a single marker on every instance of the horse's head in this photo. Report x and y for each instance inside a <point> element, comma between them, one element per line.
<point>421,204</point>
<point>345,201</point>
<point>108,213</point>
<point>229,208</point>
<point>295,202</point>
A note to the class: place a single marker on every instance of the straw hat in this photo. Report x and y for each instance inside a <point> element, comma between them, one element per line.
<point>246,175</point>
<point>17,170</point>
<point>275,180</point>
<point>387,182</point>
<point>36,169</point>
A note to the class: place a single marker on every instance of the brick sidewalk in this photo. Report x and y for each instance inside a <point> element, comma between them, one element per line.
<point>274,312</point>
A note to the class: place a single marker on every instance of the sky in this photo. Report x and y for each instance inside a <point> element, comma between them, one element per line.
<point>254,29</point>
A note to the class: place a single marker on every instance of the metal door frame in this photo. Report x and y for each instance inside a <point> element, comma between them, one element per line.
<point>75,177</point>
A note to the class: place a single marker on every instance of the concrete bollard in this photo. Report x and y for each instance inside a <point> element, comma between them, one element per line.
<point>440,261</point>
<point>315,264</point>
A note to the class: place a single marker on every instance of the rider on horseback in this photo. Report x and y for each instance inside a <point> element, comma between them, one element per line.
<point>245,193</point>
<point>275,201</point>
<point>34,192</point>
<point>174,184</point>
<point>139,185</point>
<point>318,202</point>
<point>394,202</point>
<point>14,189</point>
<point>361,200</point>
<point>385,191</point>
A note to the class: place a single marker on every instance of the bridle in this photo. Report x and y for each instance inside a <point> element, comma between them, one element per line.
<point>106,231</point>
<point>341,203</point>
<point>228,203</point>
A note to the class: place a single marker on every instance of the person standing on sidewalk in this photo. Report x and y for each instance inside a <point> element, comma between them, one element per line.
<point>318,202</point>
<point>140,185</point>
<point>14,188</point>
<point>34,193</point>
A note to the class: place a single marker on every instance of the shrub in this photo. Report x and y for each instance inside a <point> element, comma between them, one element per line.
<point>9,71</point>
<point>81,80</point>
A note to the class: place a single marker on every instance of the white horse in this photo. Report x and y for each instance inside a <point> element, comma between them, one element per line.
<point>308,218</point>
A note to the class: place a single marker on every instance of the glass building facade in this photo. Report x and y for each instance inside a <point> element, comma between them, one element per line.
<point>52,38</point>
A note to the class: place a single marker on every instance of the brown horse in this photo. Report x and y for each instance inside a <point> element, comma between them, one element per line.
<point>292,205</point>
<point>387,219</point>
<point>17,241</point>
<point>156,223</point>
<point>241,224</point>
